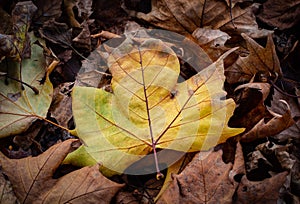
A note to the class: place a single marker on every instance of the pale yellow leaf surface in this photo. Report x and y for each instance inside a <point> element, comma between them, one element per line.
<point>19,108</point>
<point>149,109</point>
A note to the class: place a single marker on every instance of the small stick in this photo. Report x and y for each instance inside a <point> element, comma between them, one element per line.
<point>106,34</point>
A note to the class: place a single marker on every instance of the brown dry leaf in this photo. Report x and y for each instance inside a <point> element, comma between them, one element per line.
<point>7,195</point>
<point>83,40</point>
<point>265,128</point>
<point>212,41</point>
<point>61,107</point>
<point>185,16</point>
<point>32,180</point>
<point>282,14</point>
<point>251,109</point>
<point>260,59</point>
<point>266,191</point>
<point>47,9</point>
<point>205,180</point>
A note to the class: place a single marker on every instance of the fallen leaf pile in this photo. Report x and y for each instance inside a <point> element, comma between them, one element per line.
<point>149,101</point>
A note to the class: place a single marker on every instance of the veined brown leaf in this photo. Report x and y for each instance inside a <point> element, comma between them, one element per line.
<point>149,109</point>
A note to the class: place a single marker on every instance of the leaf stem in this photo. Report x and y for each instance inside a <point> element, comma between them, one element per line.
<point>34,89</point>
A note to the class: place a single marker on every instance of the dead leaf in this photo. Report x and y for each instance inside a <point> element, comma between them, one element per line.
<point>250,110</point>
<point>259,60</point>
<point>61,107</point>
<point>32,180</point>
<point>115,127</point>
<point>265,128</point>
<point>83,40</point>
<point>47,10</point>
<point>205,180</point>
<point>185,16</point>
<point>280,14</point>
<point>7,195</point>
<point>84,9</point>
<point>212,41</point>
<point>266,191</point>
<point>17,46</point>
<point>57,33</point>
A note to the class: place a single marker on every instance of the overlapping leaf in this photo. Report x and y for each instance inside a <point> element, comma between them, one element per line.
<point>148,109</point>
<point>32,180</point>
<point>260,59</point>
<point>18,108</point>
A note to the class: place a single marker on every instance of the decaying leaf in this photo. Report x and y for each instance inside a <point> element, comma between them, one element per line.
<point>205,180</point>
<point>61,107</point>
<point>212,41</point>
<point>57,33</point>
<point>148,109</point>
<point>32,180</point>
<point>47,10</point>
<point>266,191</point>
<point>259,60</point>
<point>265,128</point>
<point>7,194</point>
<point>18,108</point>
<point>17,45</point>
<point>250,98</point>
<point>185,16</point>
<point>280,14</point>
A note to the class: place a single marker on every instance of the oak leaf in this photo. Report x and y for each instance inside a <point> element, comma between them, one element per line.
<point>19,108</point>
<point>265,128</point>
<point>148,109</point>
<point>32,180</point>
<point>260,59</point>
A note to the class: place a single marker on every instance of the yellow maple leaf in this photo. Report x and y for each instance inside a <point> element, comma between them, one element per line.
<point>149,109</point>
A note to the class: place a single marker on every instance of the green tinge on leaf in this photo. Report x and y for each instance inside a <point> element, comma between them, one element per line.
<point>19,108</point>
<point>120,128</point>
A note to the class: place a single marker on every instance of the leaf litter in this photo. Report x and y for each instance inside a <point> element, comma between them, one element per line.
<point>270,172</point>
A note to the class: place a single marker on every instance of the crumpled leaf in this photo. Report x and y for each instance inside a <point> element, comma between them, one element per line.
<point>205,180</point>
<point>32,180</point>
<point>20,108</point>
<point>7,194</point>
<point>185,16</point>
<point>57,33</point>
<point>265,128</point>
<point>212,41</point>
<point>259,60</point>
<point>142,115</point>
<point>61,107</point>
<point>250,98</point>
<point>47,10</point>
<point>266,191</point>
<point>17,45</point>
<point>280,14</point>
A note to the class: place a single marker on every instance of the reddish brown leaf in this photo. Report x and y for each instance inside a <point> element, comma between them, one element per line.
<point>266,191</point>
<point>259,60</point>
<point>32,180</point>
<point>265,128</point>
<point>251,109</point>
<point>205,180</point>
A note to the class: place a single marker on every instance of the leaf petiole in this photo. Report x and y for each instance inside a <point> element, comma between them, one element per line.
<point>34,89</point>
